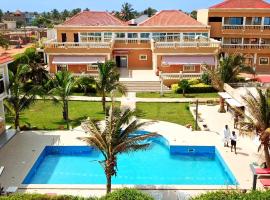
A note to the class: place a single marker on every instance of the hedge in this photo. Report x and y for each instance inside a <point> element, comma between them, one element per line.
<point>198,88</point>
<point>234,195</point>
<point>122,194</point>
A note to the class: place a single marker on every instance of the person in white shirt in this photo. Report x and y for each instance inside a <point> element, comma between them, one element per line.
<point>227,135</point>
<point>233,142</point>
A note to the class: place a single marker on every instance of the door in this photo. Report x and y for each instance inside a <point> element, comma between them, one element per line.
<point>64,37</point>
<point>121,61</point>
<point>76,37</point>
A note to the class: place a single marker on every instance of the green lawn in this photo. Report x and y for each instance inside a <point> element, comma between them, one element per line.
<point>174,95</point>
<point>171,112</point>
<point>48,116</point>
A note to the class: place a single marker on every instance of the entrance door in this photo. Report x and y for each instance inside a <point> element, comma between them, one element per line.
<point>121,61</point>
<point>76,37</point>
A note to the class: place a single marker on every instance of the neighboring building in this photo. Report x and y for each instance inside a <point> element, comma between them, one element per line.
<point>17,16</point>
<point>168,42</point>
<point>8,25</point>
<point>4,81</point>
<point>243,26</point>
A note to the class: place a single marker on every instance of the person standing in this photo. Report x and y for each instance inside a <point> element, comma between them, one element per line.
<point>233,142</point>
<point>227,135</point>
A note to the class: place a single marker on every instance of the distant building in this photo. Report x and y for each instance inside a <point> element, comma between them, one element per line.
<point>242,26</point>
<point>20,17</point>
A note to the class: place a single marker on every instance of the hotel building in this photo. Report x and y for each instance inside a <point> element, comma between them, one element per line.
<point>242,26</point>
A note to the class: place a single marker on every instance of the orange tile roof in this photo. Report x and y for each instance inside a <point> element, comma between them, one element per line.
<point>5,59</point>
<point>170,18</point>
<point>94,18</point>
<point>242,4</point>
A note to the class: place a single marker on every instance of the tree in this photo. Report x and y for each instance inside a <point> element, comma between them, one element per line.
<point>227,72</point>
<point>1,15</point>
<point>75,11</point>
<point>259,108</point>
<point>4,43</point>
<point>108,81</point>
<point>65,14</point>
<point>149,12</point>
<point>184,85</point>
<point>62,84</point>
<point>22,93</point>
<point>193,14</point>
<point>115,138</point>
<point>127,12</point>
<point>86,83</point>
<point>55,15</point>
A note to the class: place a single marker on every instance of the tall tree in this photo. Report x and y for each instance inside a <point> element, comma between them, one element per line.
<point>65,14</point>
<point>227,72</point>
<point>62,84</point>
<point>108,81</point>
<point>149,12</point>
<point>193,14</point>
<point>259,115</point>
<point>22,93</point>
<point>115,138</point>
<point>127,12</point>
<point>75,11</point>
<point>1,15</point>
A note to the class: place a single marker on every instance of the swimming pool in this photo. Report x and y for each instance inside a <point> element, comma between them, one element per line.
<point>160,165</point>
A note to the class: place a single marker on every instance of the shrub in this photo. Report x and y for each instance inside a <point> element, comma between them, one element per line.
<point>127,194</point>
<point>206,78</point>
<point>184,85</point>
<point>175,88</point>
<point>234,195</point>
<point>194,81</point>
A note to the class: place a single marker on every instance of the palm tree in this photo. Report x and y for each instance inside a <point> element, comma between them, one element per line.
<point>115,138</point>
<point>85,83</point>
<point>227,72</point>
<point>22,93</point>
<point>127,12</point>
<point>108,81</point>
<point>258,107</point>
<point>62,84</point>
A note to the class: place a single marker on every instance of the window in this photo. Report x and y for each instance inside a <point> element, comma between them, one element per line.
<point>215,19</point>
<point>236,20</point>
<point>189,36</point>
<point>120,35</point>
<point>2,85</point>
<point>145,35</point>
<point>90,37</point>
<point>267,21</point>
<point>257,21</point>
<point>61,68</point>
<point>189,68</point>
<point>132,35</point>
<point>159,36</point>
<point>143,57</point>
<point>236,41</point>
<point>107,36</point>
<point>264,61</point>
<point>92,67</point>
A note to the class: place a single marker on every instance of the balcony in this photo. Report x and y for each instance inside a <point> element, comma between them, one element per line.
<point>54,44</point>
<point>188,44</point>
<point>245,27</point>
<point>131,43</point>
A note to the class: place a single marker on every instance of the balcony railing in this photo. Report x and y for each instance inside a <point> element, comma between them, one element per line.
<point>183,44</point>
<point>131,40</point>
<point>54,44</point>
<point>246,46</point>
<point>245,27</point>
<point>179,76</point>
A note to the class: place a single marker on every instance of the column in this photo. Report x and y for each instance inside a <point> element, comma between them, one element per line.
<point>154,59</point>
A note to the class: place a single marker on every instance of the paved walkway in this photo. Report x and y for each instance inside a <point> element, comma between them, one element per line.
<point>153,100</point>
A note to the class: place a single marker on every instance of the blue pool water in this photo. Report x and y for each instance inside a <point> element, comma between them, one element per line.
<point>161,164</point>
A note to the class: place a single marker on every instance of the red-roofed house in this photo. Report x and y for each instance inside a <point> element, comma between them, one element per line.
<point>4,81</point>
<point>243,26</point>
<point>169,42</point>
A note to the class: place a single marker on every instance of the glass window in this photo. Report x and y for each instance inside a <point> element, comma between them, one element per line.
<point>120,35</point>
<point>189,68</point>
<point>90,37</point>
<point>236,20</point>
<point>132,35</point>
<point>145,35</point>
<point>264,61</point>
<point>143,57</point>
<point>107,35</point>
<point>257,21</point>
<point>236,41</point>
<point>267,21</point>
<point>61,68</point>
<point>189,36</point>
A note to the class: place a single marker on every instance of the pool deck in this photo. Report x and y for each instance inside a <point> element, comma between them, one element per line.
<point>19,154</point>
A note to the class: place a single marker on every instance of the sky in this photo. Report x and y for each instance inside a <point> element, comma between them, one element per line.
<point>47,5</point>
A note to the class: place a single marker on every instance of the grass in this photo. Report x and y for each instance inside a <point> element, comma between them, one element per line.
<point>171,112</point>
<point>45,115</point>
<point>48,116</point>
<point>174,95</point>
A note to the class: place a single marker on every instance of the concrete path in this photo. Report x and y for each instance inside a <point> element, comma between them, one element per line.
<point>157,100</point>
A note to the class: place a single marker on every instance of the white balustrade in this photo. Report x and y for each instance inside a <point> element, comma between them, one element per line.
<point>180,76</point>
<point>50,44</point>
<point>188,44</point>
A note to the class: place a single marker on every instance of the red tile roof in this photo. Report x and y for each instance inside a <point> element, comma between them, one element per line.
<point>5,59</point>
<point>242,4</point>
<point>170,18</point>
<point>94,18</point>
